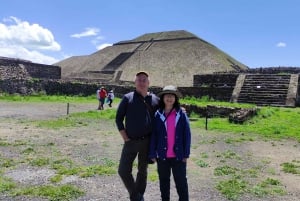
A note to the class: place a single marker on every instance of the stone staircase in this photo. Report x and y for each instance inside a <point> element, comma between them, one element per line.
<point>265,89</point>
<point>118,61</point>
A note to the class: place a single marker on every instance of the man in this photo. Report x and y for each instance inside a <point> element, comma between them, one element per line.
<point>102,96</point>
<point>137,108</point>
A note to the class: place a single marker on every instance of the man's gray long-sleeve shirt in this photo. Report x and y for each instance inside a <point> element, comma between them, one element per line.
<point>138,117</point>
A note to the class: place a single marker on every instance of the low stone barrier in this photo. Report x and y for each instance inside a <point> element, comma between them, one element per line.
<point>242,115</point>
<point>234,115</point>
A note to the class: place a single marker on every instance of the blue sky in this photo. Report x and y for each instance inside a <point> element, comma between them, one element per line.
<point>258,33</point>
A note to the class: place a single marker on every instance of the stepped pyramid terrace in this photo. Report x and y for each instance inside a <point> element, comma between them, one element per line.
<point>171,57</point>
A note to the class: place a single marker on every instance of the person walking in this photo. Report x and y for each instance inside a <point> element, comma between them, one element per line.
<point>170,143</point>
<point>102,95</point>
<point>137,108</point>
<point>110,97</point>
<point>98,98</point>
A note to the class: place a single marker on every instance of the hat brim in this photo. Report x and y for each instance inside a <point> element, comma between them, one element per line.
<point>142,73</point>
<point>176,93</point>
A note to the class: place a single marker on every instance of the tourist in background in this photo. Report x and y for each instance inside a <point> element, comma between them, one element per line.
<point>101,95</point>
<point>137,108</point>
<point>98,98</point>
<point>110,97</point>
<point>170,143</point>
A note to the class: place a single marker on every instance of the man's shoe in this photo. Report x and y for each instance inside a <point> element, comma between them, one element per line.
<point>138,197</point>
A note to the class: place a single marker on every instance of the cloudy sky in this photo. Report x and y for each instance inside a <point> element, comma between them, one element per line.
<point>258,33</point>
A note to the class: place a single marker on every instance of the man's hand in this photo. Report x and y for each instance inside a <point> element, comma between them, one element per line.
<point>124,135</point>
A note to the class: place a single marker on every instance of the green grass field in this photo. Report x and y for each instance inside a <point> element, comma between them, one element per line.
<point>271,122</point>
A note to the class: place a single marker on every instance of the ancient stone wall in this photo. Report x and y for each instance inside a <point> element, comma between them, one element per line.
<point>215,80</point>
<point>60,87</point>
<point>22,69</point>
<point>275,70</point>
<point>51,87</point>
<point>46,86</point>
<point>215,93</point>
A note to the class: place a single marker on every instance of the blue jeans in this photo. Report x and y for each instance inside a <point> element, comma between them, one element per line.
<point>131,150</point>
<point>178,168</point>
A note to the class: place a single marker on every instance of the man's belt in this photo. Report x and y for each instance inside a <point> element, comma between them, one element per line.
<point>140,137</point>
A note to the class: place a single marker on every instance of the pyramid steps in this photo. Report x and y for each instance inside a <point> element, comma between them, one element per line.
<point>265,89</point>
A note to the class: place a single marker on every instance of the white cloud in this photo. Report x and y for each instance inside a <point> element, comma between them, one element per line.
<point>96,40</point>
<point>20,39</point>
<point>23,53</point>
<point>86,33</point>
<point>281,44</point>
<point>102,46</point>
<point>30,36</point>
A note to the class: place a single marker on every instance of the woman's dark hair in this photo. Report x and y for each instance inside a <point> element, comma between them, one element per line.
<point>161,103</point>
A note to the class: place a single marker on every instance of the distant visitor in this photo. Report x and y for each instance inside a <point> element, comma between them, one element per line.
<point>110,97</point>
<point>101,95</point>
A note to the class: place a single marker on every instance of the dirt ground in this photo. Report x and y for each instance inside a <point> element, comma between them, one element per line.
<point>89,144</point>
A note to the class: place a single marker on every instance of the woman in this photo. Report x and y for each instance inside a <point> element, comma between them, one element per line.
<point>170,143</point>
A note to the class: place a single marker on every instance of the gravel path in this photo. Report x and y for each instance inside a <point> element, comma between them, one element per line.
<point>86,145</point>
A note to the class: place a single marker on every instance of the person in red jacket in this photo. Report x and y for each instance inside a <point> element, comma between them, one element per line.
<point>102,94</point>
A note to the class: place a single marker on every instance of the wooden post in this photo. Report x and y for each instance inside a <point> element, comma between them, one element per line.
<point>206,122</point>
<point>68,105</point>
<point>206,118</point>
